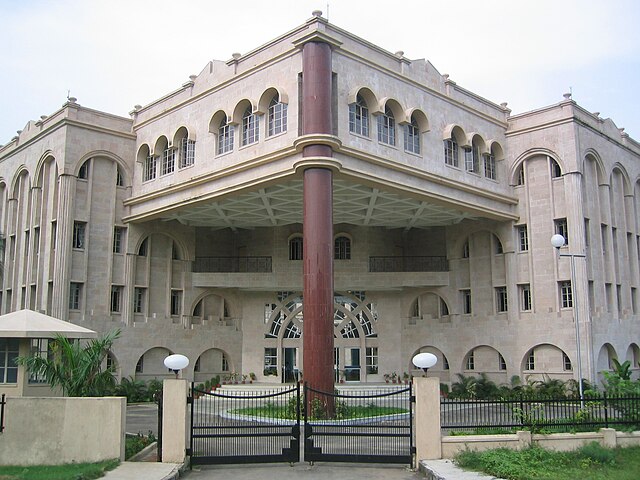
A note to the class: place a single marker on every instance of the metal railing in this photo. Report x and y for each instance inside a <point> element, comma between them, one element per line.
<point>232,265</point>
<point>2,404</point>
<point>408,264</point>
<point>540,413</point>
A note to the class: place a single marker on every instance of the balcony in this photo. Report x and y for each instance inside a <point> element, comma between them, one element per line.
<point>232,265</point>
<point>408,264</point>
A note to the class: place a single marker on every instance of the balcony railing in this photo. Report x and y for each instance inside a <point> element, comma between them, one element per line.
<point>232,265</point>
<point>408,264</point>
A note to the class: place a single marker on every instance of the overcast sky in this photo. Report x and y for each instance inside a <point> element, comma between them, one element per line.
<point>113,54</point>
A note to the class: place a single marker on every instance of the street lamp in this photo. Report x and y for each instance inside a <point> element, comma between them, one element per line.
<point>558,241</point>
<point>425,361</point>
<point>176,362</point>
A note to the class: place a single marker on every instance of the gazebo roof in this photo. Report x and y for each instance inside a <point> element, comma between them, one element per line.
<point>29,324</point>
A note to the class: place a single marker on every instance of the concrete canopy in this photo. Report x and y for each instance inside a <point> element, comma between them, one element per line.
<point>29,324</point>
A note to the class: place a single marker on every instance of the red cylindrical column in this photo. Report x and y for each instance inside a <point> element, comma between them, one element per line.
<point>317,222</point>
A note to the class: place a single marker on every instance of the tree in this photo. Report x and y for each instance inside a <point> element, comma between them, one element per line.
<point>76,369</point>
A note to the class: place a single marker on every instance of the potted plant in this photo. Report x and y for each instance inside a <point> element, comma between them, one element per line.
<point>244,377</point>
<point>394,377</point>
<point>405,377</point>
<point>387,377</point>
<point>252,377</point>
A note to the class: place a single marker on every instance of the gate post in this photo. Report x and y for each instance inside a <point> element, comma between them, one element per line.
<point>174,420</point>
<point>427,427</point>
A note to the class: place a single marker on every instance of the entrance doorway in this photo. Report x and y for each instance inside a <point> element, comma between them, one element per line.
<point>290,370</point>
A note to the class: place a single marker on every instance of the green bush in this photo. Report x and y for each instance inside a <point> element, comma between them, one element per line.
<point>136,443</point>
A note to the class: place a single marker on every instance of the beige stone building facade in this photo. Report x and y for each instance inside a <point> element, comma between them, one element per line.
<point>182,225</point>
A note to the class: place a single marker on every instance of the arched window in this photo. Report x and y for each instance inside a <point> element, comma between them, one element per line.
<point>342,248</point>
<point>225,137</point>
<point>277,117</point>
<point>250,127</point>
<point>465,250</point>
<point>295,248</point>
<point>83,173</point>
<point>451,151</point>
<point>520,175</point>
<point>387,127</point>
<point>556,171</point>
<point>119,177</point>
<point>412,136</point>
<point>359,117</point>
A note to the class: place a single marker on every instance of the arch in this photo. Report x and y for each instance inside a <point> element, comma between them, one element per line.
<point>428,305</point>
<point>183,132</point>
<point>633,355</point>
<point>420,118</point>
<point>210,363</point>
<point>151,364</point>
<point>21,171</point>
<point>592,155</point>
<point>44,159</point>
<point>440,369</point>
<point>547,359</point>
<point>626,180</point>
<point>605,355</point>
<point>474,139</point>
<point>209,307</point>
<point>495,148</point>
<point>369,98</point>
<point>239,111</point>
<point>456,132</point>
<point>147,237</point>
<point>217,119</point>
<point>523,157</point>
<point>162,143</point>
<point>483,359</point>
<point>121,164</point>
<point>342,246</point>
<point>144,151</point>
<point>395,107</point>
<point>267,96</point>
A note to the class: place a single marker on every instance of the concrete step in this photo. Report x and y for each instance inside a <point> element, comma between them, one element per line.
<point>447,470</point>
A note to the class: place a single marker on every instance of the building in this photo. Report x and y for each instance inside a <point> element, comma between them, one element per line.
<point>183,224</point>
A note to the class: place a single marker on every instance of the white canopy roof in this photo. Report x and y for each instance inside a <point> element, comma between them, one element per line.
<point>29,324</point>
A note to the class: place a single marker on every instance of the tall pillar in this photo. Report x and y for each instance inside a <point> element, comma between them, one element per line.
<point>317,221</point>
<point>62,255</point>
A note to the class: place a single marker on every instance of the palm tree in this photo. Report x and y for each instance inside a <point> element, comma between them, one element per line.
<point>77,370</point>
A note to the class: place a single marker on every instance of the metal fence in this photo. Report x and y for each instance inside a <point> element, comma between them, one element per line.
<point>232,265</point>
<point>408,264</point>
<point>540,413</point>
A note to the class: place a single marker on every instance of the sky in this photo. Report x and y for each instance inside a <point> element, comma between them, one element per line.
<point>114,54</point>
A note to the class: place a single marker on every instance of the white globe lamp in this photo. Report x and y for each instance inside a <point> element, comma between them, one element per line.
<point>425,361</point>
<point>557,241</point>
<point>176,362</point>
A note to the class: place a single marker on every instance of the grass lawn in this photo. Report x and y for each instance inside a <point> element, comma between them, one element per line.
<point>591,462</point>
<point>75,471</point>
<point>342,412</point>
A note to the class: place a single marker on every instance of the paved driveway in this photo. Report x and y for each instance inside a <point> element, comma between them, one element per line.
<point>142,418</point>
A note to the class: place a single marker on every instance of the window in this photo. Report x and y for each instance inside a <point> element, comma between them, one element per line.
<point>150,168</point>
<point>142,250</point>
<point>187,152</point>
<point>118,239</point>
<point>470,363</point>
<point>295,248</point>
<point>525,297</point>
<point>560,226</point>
<point>116,298</point>
<point>555,169</point>
<point>501,299</point>
<point>566,295</point>
<point>75,292</point>
<point>54,232</point>
<point>225,362</point>
<point>277,117</point>
<point>523,238</point>
<point>497,246</point>
<point>83,173</point>
<point>225,137</point>
<point>531,361</point>
<point>250,127</point>
<point>176,302</point>
<point>465,250</point>
<point>387,127</point>
<point>139,295</point>
<point>140,365</point>
<point>472,160</point>
<point>502,365</point>
<point>451,152</point>
<point>119,178</point>
<point>412,137</point>
<point>79,230</point>
<point>8,354</point>
<point>39,348</point>
<point>490,166</point>
<point>466,301</point>
<point>359,117</point>
<point>445,362</point>
<point>372,360</point>
<point>342,248</point>
<point>168,161</point>
<point>270,361</point>
<point>444,308</point>
<point>566,362</point>
<point>520,176</point>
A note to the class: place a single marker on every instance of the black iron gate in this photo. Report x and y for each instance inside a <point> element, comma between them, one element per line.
<point>373,426</point>
<point>249,428</point>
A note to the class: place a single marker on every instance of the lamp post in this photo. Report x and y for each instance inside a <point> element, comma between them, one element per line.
<point>425,361</point>
<point>176,362</point>
<point>557,241</point>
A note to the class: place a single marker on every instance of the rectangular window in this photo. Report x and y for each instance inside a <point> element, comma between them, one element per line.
<point>168,161</point>
<point>451,152</point>
<point>54,231</point>
<point>501,299</point>
<point>187,152</point>
<point>116,298</point>
<point>566,295</point>
<point>150,168</point>
<point>472,160</point>
<point>139,295</point>
<point>225,139</point>
<point>523,238</point>
<point>634,300</point>
<point>8,354</point>
<point>12,247</point>
<point>560,226</point>
<point>118,239</point>
<point>36,240</point>
<point>525,297</point>
<point>39,348</point>
<point>225,363</point>
<point>176,302</point>
<point>412,138</point>
<point>608,290</point>
<point>531,361</point>
<point>270,361</point>
<point>386,129</point>
<point>470,364</point>
<point>79,231</point>
<point>587,233</point>
<point>250,129</point>
<point>372,360</point>
<point>490,166</point>
<point>278,118</point>
<point>75,293</point>
<point>466,301</point>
